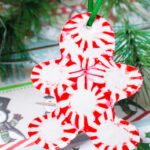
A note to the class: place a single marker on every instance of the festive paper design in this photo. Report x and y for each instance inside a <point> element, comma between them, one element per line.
<point>86,84</point>
<point>6,125</point>
<point>50,132</point>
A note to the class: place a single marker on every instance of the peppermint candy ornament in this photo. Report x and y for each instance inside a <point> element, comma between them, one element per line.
<point>86,83</point>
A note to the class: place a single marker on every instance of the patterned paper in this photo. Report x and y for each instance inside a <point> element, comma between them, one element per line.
<point>87,83</point>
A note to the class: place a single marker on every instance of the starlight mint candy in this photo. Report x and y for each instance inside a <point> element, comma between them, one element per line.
<point>50,132</point>
<point>77,38</point>
<point>86,83</point>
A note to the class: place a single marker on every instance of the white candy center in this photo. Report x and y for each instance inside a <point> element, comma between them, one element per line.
<point>51,74</point>
<point>51,130</point>
<point>115,79</point>
<point>83,101</point>
<point>111,134</point>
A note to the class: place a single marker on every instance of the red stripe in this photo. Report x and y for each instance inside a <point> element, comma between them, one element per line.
<point>73,130</point>
<point>124,122</point>
<point>109,33</point>
<point>33,125</point>
<point>98,145</point>
<point>105,24</point>
<point>77,121</point>
<point>134,142</point>
<point>125,147</point>
<point>106,42</point>
<point>85,82</point>
<point>38,119</point>
<point>35,73</point>
<point>46,63</point>
<point>79,42</point>
<point>135,132</point>
<point>117,96</point>
<point>133,86</point>
<point>47,91</point>
<point>16,145</point>
<point>130,68</point>
<point>71,22</point>
<point>105,115</point>
<point>113,114</point>
<point>34,80</point>
<point>134,78</point>
<point>70,62</point>
<point>115,148</point>
<point>141,116</point>
<point>106,148</point>
<point>95,45</point>
<point>80,16</point>
<point>31,144</point>
<point>45,117</point>
<point>2,145</point>
<point>39,86</point>
<point>38,140</point>
<point>61,38</point>
<point>69,117</point>
<point>93,137</point>
<point>46,146</point>
<point>85,46</point>
<point>102,105</point>
<point>57,61</point>
<point>129,116</point>
<point>74,35</point>
<point>97,115</point>
<point>68,29</point>
<point>87,127</point>
<point>39,66</point>
<point>65,139</point>
<point>32,133</point>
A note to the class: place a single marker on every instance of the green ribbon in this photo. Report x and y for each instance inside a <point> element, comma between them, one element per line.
<point>90,5</point>
<point>93,10</point>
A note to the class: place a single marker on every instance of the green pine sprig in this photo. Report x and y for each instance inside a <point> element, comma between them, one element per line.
<point>23,20</point>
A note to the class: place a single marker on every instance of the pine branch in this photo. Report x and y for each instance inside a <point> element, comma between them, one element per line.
<point>23,19</point>
<point>133,46</point>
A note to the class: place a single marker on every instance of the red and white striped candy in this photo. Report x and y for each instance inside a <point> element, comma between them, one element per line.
<point>86,83</point>
<point>76,38</point>
<point>85,100</point>
<point>109,132</point>
<point>48,75</point>
<point>120,80</point>
<point>49,132</point>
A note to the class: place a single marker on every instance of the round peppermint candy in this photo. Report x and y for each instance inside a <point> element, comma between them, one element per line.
<point>84,100</point>
<point>48,75</point>
<point>77,38</point>
<point>50,132</point>
<point>120,80</point>
<point>110,132</point>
